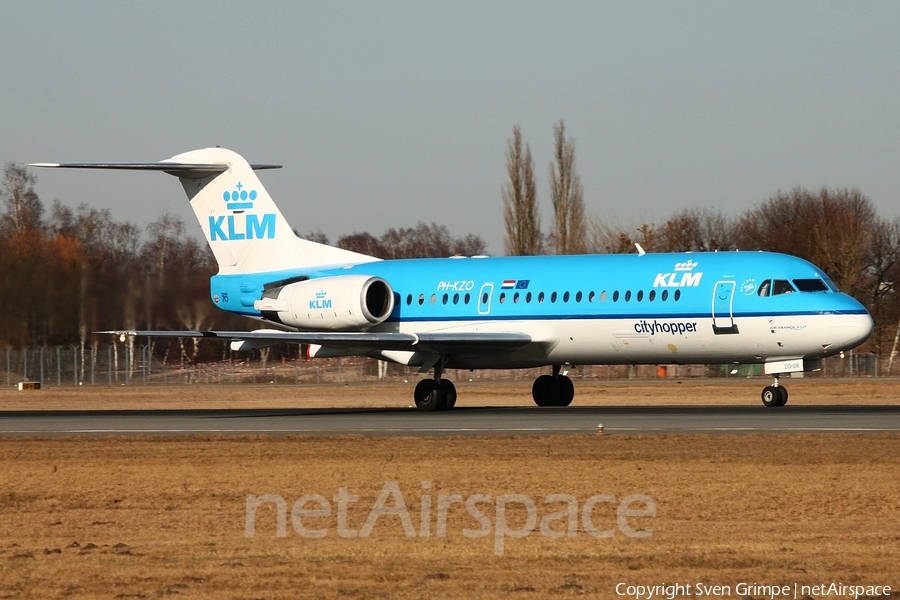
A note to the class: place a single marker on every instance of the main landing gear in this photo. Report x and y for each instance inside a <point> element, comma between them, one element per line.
<point>435,394</point>
<point>548,390</point>
<point>553,390</point>
<point>774,395</point>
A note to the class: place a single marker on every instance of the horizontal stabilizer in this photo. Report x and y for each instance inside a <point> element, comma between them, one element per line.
<point>169,167</point>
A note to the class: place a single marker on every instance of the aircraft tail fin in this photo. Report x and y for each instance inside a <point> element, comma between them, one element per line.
<point>243,226</point>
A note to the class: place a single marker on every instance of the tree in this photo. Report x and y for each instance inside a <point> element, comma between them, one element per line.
<point>317,236</point>
<point>612,239</point>
<point>883,273</point>
<point>696,230</point>
<point>362,243</point>
<point>23,206</point>
<point>471,245</point>
<point>422,241</point>
<point>520,214</point>
<point>569,235</point>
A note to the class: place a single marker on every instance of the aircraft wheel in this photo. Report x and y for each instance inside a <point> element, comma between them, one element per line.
<point>429,396</point>
<point>566,391</point>
<point>771,396</point>
<point>449,392</point>
<point>545,391</point>
<point>782,395</point>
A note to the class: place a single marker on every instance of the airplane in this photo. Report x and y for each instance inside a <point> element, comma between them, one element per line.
<point>731,307</point>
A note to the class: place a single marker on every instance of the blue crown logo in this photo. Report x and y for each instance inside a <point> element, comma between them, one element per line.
<point>239,199</point>
<point>320,294</point>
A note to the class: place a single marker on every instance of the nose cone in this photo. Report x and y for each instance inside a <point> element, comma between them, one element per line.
<point>851,326</point>
<point>853,330</point>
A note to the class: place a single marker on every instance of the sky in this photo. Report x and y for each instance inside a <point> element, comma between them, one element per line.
<point>385,114</point>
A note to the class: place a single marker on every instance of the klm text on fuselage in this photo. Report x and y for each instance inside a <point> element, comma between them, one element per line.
<point>673,279</point>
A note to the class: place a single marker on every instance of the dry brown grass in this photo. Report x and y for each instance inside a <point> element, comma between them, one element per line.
<point>614,393</point>
<point>156,517</point>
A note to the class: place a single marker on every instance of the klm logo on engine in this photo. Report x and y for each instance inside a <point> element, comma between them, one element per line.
<point>240,225</point>
<point>681,276</point>
<point>320,302</point>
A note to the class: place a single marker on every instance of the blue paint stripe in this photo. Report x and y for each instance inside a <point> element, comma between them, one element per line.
<point>584,317</point>
<point>607,317</point>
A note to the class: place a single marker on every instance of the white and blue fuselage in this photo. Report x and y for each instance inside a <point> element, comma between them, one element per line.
<point>604,309</point>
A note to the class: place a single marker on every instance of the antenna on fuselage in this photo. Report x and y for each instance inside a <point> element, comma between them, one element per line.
<point>640,250</point>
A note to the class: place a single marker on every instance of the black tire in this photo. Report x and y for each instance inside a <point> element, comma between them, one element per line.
<point>428,396</point>
<point>449,392</point>
<point>566,391</point>
<point>771,396</point>
<point>782,396</point>
<point>545,390</point>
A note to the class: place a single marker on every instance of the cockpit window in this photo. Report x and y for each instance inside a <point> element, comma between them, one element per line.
<point>810,285</point>
<point>782,286</point>
<point>830,283</point>
<point>764,288</point>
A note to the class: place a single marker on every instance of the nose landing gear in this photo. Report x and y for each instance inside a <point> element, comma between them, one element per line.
<point>774,395</point>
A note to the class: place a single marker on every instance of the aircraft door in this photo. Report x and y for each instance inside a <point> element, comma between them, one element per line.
<point>722,307</point>
<point>484,299</point>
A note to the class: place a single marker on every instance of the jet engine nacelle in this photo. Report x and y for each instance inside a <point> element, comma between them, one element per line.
<point>344,302</point>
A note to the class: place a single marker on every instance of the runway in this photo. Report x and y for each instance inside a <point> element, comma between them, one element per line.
<point>460,421</point>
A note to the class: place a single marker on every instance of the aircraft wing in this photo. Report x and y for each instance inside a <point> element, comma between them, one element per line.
<point>437,342</point>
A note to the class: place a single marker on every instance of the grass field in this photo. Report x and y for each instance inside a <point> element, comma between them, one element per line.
<point>159,517</point>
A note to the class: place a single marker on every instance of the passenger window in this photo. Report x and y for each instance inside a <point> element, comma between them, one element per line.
<point>516,298</point>
<point>677,295</point>
<point>566,297</point>
<point>445,298</point>
<point>455,298</point>
<point>764,288</point>
<point>665,295</point>
<point>651,296</point>
<point>408,299</point>
<point>421,299</point>
<point>810,285</point>
<point>603,296</point>
<point>782,286</point>
<point>528,297</point>
<point>433,298</point>
<point>616,296</point>
<point>591,297</point>
<point>468,297</point>
<point>578,297</point>
<point>628,296</point>
<point>502,298</point>
<point>541,297</point>
<point>640,295</point>
<point>553,297</point>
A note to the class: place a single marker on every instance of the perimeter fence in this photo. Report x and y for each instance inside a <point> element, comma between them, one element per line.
<point>111,365</point>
